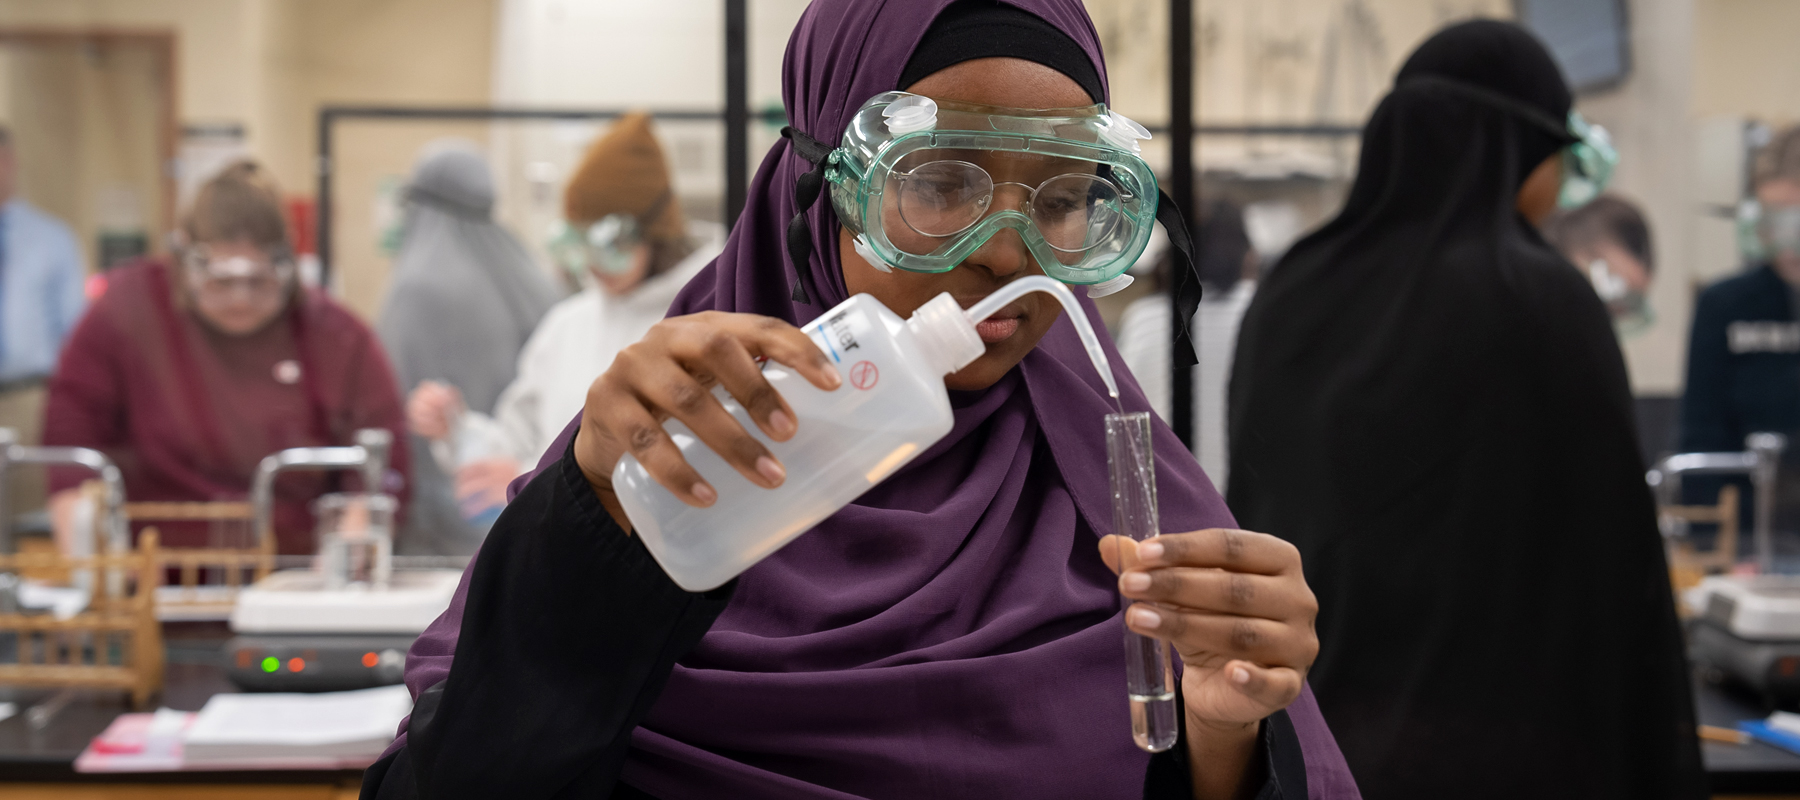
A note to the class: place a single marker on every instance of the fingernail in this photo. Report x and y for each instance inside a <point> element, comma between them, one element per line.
<point>781,423</point>
<point>1150,552</point>
<point>1145,618</point>
<point>704,493</point>
<point>771,471</point>
<point>832,377</point>
<point>1135,581</point>
<point>1240,676</point>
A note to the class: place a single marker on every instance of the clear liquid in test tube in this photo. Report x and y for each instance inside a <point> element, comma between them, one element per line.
<point>1149,672</point>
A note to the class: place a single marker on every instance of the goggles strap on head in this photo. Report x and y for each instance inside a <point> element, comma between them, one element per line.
<point>806,192</point>
<point>1557,129</point>
<point>1183,277</point>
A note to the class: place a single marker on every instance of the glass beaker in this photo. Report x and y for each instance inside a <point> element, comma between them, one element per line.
<point>356,538</point>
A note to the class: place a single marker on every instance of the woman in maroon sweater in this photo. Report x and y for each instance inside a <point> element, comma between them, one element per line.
<point>187,375</point>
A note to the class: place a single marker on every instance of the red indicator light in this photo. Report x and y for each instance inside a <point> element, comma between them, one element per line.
<point>370,660</point>
<point>296,664</point>
<point>244,657</point>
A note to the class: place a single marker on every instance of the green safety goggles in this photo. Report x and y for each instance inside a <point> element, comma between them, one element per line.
<point>924,184</point>
<point>1588,163</point>
<point>608,245</point>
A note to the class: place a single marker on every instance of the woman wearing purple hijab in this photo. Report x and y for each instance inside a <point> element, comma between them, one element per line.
<point>954,632</point>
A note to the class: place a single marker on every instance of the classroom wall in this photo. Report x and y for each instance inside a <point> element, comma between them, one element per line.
<point>268,65</point>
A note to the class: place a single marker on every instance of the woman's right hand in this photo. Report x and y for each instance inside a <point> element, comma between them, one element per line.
<point>430,408</point>
<point>671,373</point>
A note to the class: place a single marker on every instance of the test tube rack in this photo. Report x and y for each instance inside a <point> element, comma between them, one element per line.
<point>114,643</point>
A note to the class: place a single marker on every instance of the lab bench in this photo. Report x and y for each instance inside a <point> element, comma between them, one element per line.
<point>39,764</point>
<point>1745,768</point>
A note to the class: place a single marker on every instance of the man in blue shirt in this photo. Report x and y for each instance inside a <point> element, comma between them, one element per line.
<point>1744,353</point>
<point>41,297</point>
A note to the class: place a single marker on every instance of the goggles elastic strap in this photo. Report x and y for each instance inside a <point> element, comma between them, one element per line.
<point>806,192</point>
<point>1184,277</point>
<point>1557,129</point>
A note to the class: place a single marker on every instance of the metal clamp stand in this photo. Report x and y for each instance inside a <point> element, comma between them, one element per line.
<point>369,456</point>
<point>118,534</point>
<point>1760,460</point>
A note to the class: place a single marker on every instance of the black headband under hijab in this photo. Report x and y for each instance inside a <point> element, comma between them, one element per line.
<point>965,31</point>
<point>975,29</point>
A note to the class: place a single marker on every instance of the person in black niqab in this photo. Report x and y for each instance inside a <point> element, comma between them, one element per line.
<point>1429,402</point>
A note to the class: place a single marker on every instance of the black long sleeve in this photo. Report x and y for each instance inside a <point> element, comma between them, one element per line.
<point>569,633</point>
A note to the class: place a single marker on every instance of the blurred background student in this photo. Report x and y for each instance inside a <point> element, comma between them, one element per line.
<point>1609,240</point>
<point>41,277</point>
<point>188,373</point>
<point>1743,369</point>
<point>627,242</point>
<point>464,299</point>
<point>1227,266</point>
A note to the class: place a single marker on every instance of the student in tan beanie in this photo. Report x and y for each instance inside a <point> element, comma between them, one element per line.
<point>624,175</point>
<point>626,241</point>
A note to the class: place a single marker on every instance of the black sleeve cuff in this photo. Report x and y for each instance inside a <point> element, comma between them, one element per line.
<point>1171,775</point>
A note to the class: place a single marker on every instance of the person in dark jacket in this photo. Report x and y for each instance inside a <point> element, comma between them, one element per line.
<point>1743,372</point>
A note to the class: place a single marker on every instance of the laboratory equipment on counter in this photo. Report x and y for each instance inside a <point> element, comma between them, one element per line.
<point>1745,627</point>
<point>118,535</point>
<point>346,623</point>
<point>1149,669</point>
<point>891,407</point>
<point>194,598</point>
<point>104,642</point>
<point>1760,459</point>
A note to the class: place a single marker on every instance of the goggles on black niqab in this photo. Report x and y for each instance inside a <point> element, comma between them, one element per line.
<point>1589,157</point>
<point>923,184</point>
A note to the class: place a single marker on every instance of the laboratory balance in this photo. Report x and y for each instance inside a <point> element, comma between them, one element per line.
<point>347,621</point>
<point>1744,625</point>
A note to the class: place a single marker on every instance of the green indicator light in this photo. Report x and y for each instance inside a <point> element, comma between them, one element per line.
<point>271,664</point>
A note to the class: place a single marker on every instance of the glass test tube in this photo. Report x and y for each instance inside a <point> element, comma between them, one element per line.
<point>1149,672</point>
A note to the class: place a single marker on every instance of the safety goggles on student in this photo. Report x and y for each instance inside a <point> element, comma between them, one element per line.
<point>924,184</point>
<point>219,277</point>
<point>608,245</point>
<point>1588,163</point>
<point>1764,232</point>
<point>1588,155</point>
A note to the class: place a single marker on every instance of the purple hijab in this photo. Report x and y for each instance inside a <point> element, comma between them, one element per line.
<point>953,632</point>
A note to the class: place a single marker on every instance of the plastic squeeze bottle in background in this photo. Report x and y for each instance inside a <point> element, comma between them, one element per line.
<point>891,407</point>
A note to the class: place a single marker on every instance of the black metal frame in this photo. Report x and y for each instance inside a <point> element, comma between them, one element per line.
<point>1181,190</point>
<point>737,108</point>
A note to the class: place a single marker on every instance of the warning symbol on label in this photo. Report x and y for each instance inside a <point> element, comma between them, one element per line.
<point>863,375</point>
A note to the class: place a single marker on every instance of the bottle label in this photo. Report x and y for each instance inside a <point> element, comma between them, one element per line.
<point>836,335</point>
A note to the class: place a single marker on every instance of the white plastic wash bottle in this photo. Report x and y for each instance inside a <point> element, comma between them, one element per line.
<point>891,407</point>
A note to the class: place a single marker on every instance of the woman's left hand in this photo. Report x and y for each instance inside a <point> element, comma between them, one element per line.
<point>1235,606</point>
